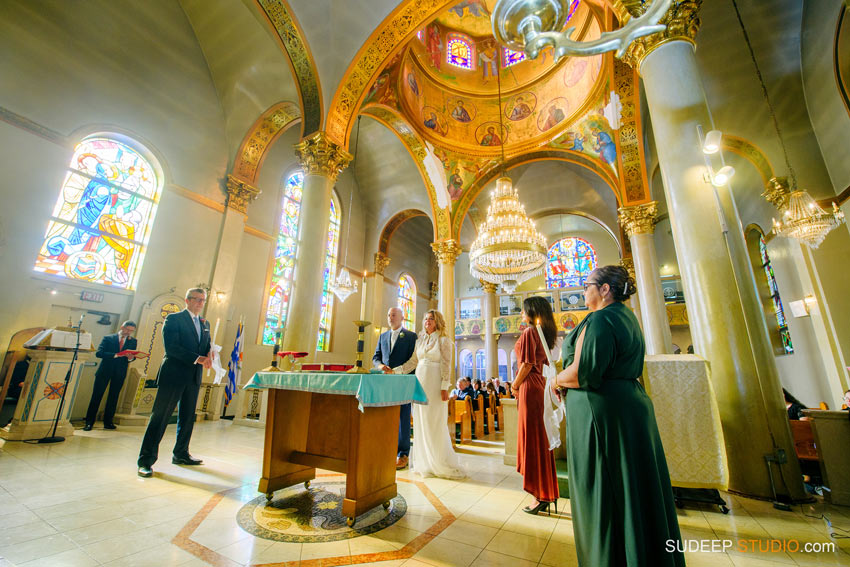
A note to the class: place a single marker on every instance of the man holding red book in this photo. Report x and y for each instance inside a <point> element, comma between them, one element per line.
<point>116,352</point>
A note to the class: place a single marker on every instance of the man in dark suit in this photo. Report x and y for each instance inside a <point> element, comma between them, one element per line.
<point>187,347</point>
<point>111,373</point>
<point>395,347</point>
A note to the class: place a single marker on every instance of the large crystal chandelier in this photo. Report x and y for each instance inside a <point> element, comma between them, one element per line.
<point>805,220</point>
<point>509,249</point>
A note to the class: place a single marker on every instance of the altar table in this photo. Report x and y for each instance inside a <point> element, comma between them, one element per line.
<point>341,422</point>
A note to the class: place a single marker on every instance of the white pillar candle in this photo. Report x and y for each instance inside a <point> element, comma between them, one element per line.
<point>363,299</point>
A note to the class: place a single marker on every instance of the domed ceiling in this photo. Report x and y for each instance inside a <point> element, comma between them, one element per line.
<point>446,84</point>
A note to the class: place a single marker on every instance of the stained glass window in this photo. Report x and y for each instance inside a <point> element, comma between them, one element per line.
<point>465,363</point>
<point>569,263</point>
<point>459,53</point>
<point>407,300</point>
<point>283,268</point>
<point>100,226</point>
<point>784,334</point>
<point>511,57</point>
<point>480,368</point>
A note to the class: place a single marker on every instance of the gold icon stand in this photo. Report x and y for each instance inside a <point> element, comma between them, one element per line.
<point>361,333</point>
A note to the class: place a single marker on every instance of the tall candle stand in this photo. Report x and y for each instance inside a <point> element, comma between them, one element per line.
<point>361,332</point>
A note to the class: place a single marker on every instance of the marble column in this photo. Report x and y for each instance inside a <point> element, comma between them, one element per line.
<point>491,309</point>
<point>375,304</point>
<point>634,301</point>
<point>239,195</point>
<point>447,252</point>
<point>639,224</point>
<point>322,161</point>
<point>726,319</point>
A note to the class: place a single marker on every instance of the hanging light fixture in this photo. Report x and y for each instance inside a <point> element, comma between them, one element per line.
<point>342,286</point>
<point>802,218</point>
<point>806,221</point>
<point>509,249</point>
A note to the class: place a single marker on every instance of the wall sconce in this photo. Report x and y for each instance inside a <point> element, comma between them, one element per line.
<point>803,307</point>
<point>711,145</point>
<point>220,295</point>
<point>722,177</point>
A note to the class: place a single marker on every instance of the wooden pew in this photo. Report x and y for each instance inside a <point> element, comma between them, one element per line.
<point>500,415</point>
<point>491,428</point>
<point>478,417</point>
<point>451,421</point>
<point>804,440</point>
<point>463,416</point>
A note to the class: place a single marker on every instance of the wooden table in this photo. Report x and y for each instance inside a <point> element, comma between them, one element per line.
<point>341,432</point>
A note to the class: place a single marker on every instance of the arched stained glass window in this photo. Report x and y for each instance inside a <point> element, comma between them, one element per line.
<point>283,268</point>
<point>465,364</point>
<point>511,57</point>
<point>480,365</point>
<point>569,263</point>
<point>407,301</point>
<point>100,226</point>
<point>774,294</point>
<point>503,365</point>
<point>459,52</point>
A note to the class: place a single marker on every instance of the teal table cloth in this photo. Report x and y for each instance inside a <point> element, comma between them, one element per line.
<point>371,390</point>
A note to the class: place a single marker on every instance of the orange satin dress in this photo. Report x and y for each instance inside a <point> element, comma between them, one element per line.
<point>535,462</point>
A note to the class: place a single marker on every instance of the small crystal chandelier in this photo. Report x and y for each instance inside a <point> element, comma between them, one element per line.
<point>342,287</point>
<point>806,221</point>
<point>509,249</point>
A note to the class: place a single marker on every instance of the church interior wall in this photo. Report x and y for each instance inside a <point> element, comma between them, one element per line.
<point>830,117</point>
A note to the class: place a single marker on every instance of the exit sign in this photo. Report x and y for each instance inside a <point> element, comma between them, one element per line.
<point>92,296</point>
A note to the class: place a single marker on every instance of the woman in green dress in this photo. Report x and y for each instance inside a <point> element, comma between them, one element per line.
<point>620,494</point>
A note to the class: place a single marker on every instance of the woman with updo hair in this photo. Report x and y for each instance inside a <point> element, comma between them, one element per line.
<point>620,494</point>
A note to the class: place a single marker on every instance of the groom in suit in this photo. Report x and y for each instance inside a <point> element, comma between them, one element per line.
<point>395,347</point>
<point>187,347</point>
<point>111,373</point>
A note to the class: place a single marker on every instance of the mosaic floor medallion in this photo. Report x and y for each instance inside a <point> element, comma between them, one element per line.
<point>313,515</point>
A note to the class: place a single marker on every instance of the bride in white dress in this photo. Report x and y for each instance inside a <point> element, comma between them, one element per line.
<point>433,454</point>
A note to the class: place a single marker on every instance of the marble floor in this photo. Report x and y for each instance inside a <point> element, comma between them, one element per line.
<point>80,503</point>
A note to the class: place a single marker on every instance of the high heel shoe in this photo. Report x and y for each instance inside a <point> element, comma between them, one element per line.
<point>534,510</point>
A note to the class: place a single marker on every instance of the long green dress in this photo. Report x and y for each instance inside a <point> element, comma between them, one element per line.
<point>620,494</point>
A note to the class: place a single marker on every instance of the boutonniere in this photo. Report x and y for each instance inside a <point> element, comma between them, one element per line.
<point>401,335</point>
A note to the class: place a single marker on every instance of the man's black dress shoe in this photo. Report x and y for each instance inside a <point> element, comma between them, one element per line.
<point>145,472</point>
<point>109,426</point>
<point>186,461</point>
<point>87,427</point>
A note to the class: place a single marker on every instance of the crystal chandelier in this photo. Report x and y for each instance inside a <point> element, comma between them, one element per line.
<point>342,287</point>
<point>509,249</point>
<point>806,221</point>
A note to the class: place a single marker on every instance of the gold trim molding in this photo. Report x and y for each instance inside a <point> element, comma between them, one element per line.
<point>777,191</point>
<point>639,219</point>
<point>446,251</point>
<point>381,262</point>
<point>629,265</point>
<point>682,21</point>
<point>392,225</point>
<point>300,59</point>
<point>260,137</point>
<point>632,160</point>
<point>239,194</point>
<point>318,155</point>
<point>489,287</point>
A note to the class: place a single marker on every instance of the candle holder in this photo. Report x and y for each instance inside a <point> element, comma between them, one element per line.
<point>278,334</point>
<point>361,332</point>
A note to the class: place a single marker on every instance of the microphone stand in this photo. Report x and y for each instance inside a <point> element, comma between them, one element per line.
<point>53,438</point>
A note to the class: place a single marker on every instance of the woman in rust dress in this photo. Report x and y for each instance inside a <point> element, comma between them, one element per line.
<point>535,462</point>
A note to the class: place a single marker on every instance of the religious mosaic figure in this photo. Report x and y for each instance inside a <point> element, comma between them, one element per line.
<point>411,82</point>
<point>491,138</point>
<point>487,60</point>
<point>475,7</point>
<point>520,111</point>
<point>435,47</point>
<point>459,113</point>
<point>555,116</point>
<point>455,185</point>
<point>605,146</point>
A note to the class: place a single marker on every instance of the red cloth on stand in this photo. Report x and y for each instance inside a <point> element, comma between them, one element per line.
<point>535,462</point>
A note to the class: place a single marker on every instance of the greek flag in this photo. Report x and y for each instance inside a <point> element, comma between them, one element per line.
<point>233,367</point>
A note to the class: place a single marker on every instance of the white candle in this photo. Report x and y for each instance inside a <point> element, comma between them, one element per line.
<point>363,300</point>
<point>545,346</point>
<point>215,332</point>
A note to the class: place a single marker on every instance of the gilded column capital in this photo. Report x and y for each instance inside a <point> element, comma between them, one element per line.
<point>639,219</point>
<point>777,192</point>
<point>434,289</point>
<point>682,21</point>
<point>446,251</point>
<point>239,194</point>
<point>319,155</point>
<point>629,265</point>
<point>381,262</point>
<point>489,287</point>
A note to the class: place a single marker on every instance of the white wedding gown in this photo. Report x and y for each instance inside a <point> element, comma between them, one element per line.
<point>433,454</point>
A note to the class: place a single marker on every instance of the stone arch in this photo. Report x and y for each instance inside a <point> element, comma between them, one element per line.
<point>392,225</point>
<point>263,133</point>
